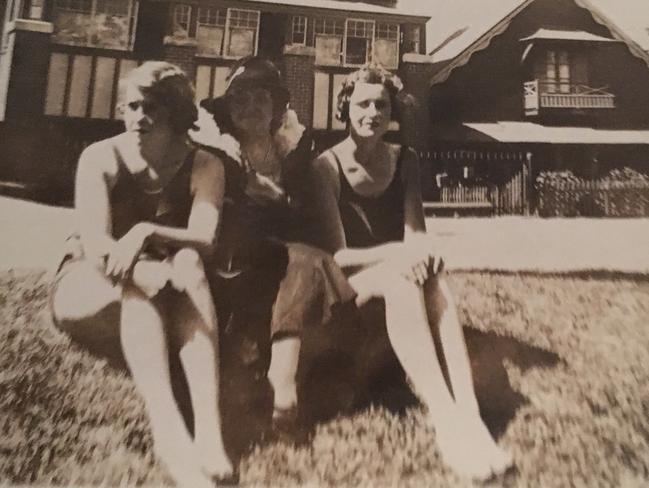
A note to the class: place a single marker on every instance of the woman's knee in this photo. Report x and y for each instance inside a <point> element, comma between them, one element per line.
<point>82,293</point>
<point>188,270</point>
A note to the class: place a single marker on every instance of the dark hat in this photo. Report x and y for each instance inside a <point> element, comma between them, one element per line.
<point>250,72</point>
<point>256,72</point>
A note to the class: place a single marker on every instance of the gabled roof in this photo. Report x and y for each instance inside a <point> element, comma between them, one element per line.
<point>565,35</point>
<point>494,21</point>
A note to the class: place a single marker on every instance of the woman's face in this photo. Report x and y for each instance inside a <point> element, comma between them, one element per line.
<point>251,110</point>
<point>145,117</point>
<point>369,110</point>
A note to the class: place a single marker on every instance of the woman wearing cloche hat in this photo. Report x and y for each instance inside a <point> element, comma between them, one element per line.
<point>271,289</point>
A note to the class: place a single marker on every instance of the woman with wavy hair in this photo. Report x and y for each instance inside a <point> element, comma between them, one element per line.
<point>148,204</point>
<point>367,194</point>
<point>272,289</point>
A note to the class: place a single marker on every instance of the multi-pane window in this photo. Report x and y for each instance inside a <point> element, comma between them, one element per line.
<point>228,32</point>
<point>298,30</point>
<point>329,34</point>
<point>210,30</point>
<point>386,45</point>
<point>181,18</point>
<point>95,23</point>
<point>243,27</point>
<point>358,41</point>
<point>354,42</point>
<point>413,39</point>
<point>557,73</point>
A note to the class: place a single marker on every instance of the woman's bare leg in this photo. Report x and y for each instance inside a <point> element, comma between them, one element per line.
<point>410,336</point>
<point>199,354</point>
<point>145,349</point>
<point>283,370</point>
<point>442,314</point>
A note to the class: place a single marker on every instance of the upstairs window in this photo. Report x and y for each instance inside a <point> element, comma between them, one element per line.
<point>386,45</point>
<point>95,23</point>
<point>227,32</point>
<point>181,20</point>
<point>243,29</point>
<point>557,72</point>
<point>298,30</point>
<point>329,34</point>
<point>354,42</point>
<point>412,42</point>
<point>210,31</point>
<point>358,41</point>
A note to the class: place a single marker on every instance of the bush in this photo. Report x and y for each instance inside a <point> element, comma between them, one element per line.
<point>621,193</point>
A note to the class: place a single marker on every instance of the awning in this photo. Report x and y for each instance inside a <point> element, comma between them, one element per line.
<point>528,132</point>
<point>564,35</point>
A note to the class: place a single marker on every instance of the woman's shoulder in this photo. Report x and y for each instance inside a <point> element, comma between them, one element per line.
<point>101,156</point>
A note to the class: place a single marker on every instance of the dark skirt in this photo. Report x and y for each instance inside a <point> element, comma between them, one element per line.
<point>291,289</point>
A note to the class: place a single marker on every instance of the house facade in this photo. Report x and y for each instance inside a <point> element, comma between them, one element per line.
<point>61,60</point>
<point>554,85</point>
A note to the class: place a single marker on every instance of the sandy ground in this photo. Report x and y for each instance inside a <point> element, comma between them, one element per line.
<point>31,236</point>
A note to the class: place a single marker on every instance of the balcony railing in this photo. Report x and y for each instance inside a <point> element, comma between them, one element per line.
<point>541,94</point>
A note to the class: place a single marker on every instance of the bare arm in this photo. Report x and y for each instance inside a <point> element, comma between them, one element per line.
<point>208,187</point>
<point>96,174</point>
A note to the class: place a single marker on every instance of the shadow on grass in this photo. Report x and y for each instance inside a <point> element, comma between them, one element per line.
<point>37,193</point>
<point>487,352</point>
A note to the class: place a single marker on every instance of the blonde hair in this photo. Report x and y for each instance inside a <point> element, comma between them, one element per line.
<point>169,86</point>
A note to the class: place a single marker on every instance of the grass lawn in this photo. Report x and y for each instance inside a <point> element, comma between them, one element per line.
<point>560,365</point>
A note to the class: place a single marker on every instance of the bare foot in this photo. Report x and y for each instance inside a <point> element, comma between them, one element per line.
<point>457,447</point>
<point>214,462</point>
<point>182,469</point>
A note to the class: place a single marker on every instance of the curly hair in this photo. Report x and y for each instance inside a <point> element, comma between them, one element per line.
<point>370,73</point>
<point>168,85</point>
<point>266,75</point>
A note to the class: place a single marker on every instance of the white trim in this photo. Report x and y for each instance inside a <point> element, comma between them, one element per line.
<point>299,50</point>
<point>417,58</point>
<point>30,26</point>
<point>306,29</point>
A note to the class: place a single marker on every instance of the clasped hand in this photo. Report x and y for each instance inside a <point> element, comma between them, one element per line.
<point>416,260</point>
<point>123,254</point>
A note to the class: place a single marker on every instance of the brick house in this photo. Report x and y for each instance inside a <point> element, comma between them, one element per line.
<point>60,61</point>
<point>548,85</point>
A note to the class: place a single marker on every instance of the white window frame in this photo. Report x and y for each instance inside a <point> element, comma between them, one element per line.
<point>218,13</point>
<point>416,40</point>
<point>224,52</point>
<point>331,22</point>
<point>368,55</point>
<point>302,22</point>
<point>131,15</point>
<point>396,40</point>
<point>181,10</point>
<point>228,26</point>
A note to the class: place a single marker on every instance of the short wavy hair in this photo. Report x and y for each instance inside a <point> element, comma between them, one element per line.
<point>370,73</point>
<point>250,72</point>
<point>168,85</point>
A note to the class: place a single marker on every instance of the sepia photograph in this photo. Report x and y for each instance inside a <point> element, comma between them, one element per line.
<point>324,243</point>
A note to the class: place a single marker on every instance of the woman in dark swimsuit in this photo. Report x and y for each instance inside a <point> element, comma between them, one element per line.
<point>148,205</point>
<point>369,204</point>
